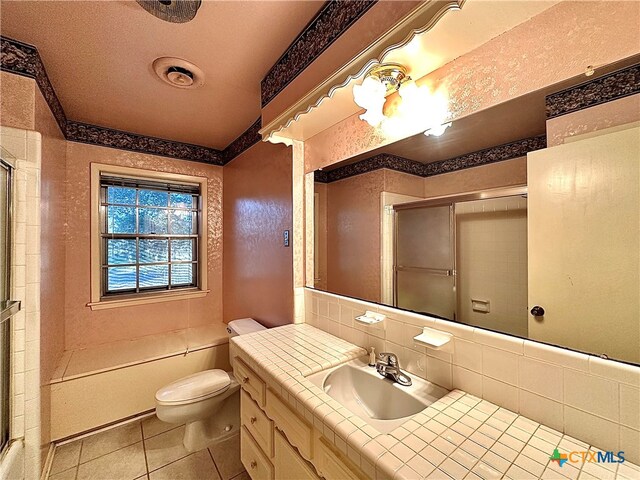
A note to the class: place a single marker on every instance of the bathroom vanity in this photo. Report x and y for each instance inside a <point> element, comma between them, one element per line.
<point>292,429</point>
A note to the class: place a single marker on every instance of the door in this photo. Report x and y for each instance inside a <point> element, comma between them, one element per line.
<point>424,260</point>
<point>7,307</point>
<point>584,244</point>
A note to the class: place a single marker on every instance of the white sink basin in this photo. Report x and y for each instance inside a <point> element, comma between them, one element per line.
<point>381,403</point>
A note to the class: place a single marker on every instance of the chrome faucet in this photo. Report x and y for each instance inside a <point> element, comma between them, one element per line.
<point>388,366</point>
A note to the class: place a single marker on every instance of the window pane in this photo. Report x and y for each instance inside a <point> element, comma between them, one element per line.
<point>121,278</point>
<point>182,274</point>
<point>181,222</point>
<point>153,199</point>
<point>121,251</point>
<point>121,220</point>
<point>154,251</point>
<point>122,195</point>
<point>154,276</point>
<point>152,220</point>
<point>182,250</point>
<point>181,200</point>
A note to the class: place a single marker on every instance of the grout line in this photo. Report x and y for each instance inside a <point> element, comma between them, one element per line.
<point>144,450</point>
<point>215,465</point>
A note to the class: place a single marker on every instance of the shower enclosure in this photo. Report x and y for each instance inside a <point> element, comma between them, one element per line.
<point>464,258</point>
<point>7,307</point>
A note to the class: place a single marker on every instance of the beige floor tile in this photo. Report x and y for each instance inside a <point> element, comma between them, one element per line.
<point>196,466</point>
<point>153,426</point>
<point>109,441</point>
<point>65,457</point>
<point>226,454</point>
<point>165,448</point>
<point>124,464</point>
<point>66,475</point>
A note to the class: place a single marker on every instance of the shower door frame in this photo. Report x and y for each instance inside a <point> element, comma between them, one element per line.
<point>448,200</point>
<point>8,309</point>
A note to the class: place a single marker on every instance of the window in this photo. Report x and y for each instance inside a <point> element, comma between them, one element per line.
<point>149,243</point>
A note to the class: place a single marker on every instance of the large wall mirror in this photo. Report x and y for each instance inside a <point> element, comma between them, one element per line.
<point>488,226</point>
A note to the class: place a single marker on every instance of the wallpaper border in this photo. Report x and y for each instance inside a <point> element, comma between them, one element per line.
<point>612,86</point>
<point>331,21</point>
<point>499,153</point>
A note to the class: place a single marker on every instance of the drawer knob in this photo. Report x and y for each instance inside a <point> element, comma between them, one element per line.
<point>245,380</point>
<point>253,420</point>
<point>253,464</point>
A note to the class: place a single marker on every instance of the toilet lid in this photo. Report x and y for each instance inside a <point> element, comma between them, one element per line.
<point>201,384</point>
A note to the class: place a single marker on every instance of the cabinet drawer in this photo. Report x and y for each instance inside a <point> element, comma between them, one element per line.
<point>330,465</point>
<point>256,462</point>
<point>258,424</point>
<point>297,430</point>
<point>249,381</point>
<point>288,465</point>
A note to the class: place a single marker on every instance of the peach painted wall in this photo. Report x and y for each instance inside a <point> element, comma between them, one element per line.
<point>17,101</point>
<point>320,232</point>
<point>353,230</point>
<point>52,252</point>
<point>610,114</point>
<point>85,327</point>
<point>547,49</point>
<point>258,269</point>
<point>23,106</point>
<point>501,174</point>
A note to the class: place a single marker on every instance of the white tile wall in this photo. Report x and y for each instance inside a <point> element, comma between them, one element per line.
<point>583,396</point>
<point>24,147</point>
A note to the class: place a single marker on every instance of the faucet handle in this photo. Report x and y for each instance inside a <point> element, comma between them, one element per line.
<point>389,358</point>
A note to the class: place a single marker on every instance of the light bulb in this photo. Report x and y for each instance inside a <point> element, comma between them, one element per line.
<point>369,93</point>
<point>370,96</point>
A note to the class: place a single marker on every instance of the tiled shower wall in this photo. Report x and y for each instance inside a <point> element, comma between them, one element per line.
<point>584,396</point>
<point>24,148</point>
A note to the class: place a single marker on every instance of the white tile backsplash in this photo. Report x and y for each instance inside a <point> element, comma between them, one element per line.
<point>541,378</point>
<point>596,395</point>
<point>584,396</point>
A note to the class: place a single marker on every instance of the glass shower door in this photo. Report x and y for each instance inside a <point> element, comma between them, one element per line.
<point>424,260</point>
<point>7,307</point>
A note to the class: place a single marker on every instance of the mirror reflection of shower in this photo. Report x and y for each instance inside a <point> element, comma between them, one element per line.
<point>464,260</point>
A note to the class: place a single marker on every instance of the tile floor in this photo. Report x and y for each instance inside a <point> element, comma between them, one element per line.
<point>146,450</point>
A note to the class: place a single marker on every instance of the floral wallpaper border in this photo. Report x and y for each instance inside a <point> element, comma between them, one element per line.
<point>333,19</point>
<point>612,86</point>
<point>495,154</point>
<point>247,139</point>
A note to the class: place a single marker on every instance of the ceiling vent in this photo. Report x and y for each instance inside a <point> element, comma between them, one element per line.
<point>174,11</point>
<point>178,73</point>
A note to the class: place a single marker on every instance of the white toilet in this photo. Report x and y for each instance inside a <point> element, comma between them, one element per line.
<point>208,402</point>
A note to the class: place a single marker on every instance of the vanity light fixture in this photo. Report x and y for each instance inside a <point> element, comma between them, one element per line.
<point>419,108</point>
<point>380,81</point>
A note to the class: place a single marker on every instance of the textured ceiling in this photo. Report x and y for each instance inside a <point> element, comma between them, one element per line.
<point>98,56</point>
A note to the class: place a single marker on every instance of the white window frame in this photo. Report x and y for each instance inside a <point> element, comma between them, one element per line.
<point>98,302</point>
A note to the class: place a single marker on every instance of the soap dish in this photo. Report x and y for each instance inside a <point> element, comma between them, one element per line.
<point>433,338</point>
<point>370,318</point>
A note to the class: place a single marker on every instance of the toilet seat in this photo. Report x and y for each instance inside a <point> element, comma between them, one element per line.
<point>194,388</point>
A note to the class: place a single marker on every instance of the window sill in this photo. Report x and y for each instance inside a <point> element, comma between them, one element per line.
<point>119,302</point>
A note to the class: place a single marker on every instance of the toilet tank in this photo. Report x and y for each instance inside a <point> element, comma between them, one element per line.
<point>243,326</point>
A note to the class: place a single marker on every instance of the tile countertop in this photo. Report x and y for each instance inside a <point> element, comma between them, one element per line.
<point>459,436</point>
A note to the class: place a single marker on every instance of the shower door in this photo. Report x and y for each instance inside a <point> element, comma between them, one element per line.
<point>7,307</point>
<point>425,260</point>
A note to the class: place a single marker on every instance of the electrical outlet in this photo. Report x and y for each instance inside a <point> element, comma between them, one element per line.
<point>286,238</point>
